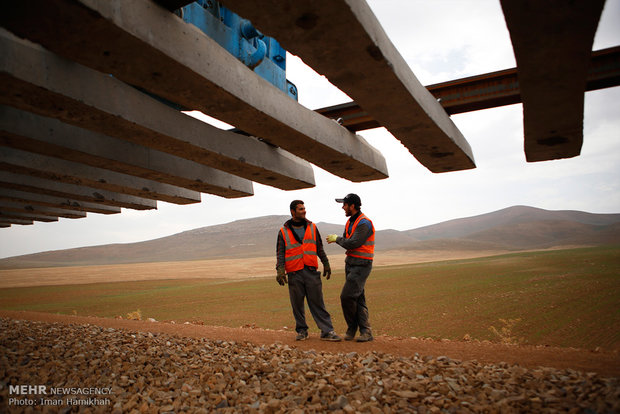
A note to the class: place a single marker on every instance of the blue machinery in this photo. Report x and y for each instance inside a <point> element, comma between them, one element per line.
<point>262,54</point>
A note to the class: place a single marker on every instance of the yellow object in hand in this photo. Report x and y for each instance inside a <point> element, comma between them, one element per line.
<point>331,238</point>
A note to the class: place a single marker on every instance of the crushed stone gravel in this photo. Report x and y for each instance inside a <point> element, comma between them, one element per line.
<point>155,373</point>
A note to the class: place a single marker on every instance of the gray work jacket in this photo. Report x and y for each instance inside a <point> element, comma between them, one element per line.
<point>360,235</point>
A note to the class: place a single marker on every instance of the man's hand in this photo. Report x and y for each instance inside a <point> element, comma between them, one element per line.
<point>281,277</point>
<point>331,238</point>
<point>327,271</point>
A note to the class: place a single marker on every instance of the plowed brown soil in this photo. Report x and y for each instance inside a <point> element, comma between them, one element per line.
<point>605,363</point>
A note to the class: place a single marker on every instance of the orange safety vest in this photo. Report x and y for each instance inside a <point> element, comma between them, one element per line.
<point>366,250</point>
<point>297,255</point>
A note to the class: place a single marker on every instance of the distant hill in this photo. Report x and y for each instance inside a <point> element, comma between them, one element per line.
<point>510,216</point>
<point>513,228</point>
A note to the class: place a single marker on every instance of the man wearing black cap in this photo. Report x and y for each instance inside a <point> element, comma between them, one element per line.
<point>359,241</point>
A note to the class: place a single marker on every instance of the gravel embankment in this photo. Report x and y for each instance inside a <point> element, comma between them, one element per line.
<point>156,373</point>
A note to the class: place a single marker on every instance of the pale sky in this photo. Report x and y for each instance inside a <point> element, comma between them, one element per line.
<point>441,40</point>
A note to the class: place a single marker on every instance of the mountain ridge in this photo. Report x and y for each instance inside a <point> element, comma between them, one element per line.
<point>513,228</point>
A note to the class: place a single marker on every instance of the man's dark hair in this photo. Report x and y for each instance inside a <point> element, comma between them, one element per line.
<point>295,203</point>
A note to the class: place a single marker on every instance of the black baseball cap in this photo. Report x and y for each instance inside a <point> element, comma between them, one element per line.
<point>350,199</point>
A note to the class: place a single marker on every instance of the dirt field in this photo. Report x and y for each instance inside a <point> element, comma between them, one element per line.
<point>604,362</point>
<point>203,269</point>
<point>562,298</point>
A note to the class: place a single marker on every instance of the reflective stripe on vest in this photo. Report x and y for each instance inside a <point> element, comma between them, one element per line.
<point>366,250</point>
<point>297,255</point>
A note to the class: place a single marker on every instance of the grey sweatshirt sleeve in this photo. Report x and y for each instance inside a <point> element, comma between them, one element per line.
<point>280,250</point>
<point>359,236</point>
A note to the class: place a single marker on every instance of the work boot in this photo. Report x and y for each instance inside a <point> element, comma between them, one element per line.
<point>331,336</point>
<point>302,336</point>
<point>349,336</point>
<point>365,337</point>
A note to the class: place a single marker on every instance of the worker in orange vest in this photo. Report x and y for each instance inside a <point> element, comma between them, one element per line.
<point>298,249</point>
<point>359,241</point>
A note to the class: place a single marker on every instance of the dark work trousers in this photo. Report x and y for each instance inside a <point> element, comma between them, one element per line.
<point>306,283</point>
<point>353,300</point>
